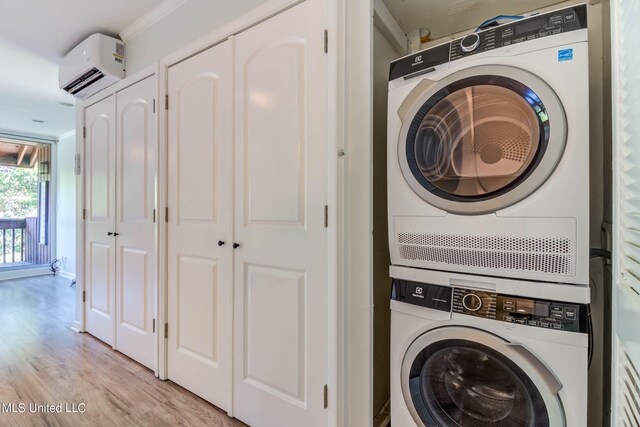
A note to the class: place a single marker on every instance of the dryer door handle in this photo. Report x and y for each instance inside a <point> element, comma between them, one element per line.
<point>549,378</point>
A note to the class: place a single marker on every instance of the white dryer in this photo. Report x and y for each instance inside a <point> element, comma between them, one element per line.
<point>479,353</point>
<point>488,152</point>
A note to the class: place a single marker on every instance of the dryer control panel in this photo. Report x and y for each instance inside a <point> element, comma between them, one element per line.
<point>529,28</point>
<point>558,315</point>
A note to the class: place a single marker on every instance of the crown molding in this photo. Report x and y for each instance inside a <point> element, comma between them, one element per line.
<point>150,18</point>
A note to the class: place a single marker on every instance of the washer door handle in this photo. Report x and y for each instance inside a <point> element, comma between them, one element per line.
<point>549,378</point>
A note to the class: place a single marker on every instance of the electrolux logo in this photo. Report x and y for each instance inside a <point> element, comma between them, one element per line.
<point>417,60</point>
<point>417,293</point>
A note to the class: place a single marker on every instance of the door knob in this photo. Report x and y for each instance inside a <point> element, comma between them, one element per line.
<point>116,234</point>
<point>220,243</point>
<point>109,233</point>
<point>236,245</point>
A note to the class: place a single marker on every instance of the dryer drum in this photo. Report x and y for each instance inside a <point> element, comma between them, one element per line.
<point>477,140</point>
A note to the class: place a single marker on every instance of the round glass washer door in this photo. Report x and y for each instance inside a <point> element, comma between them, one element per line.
<point>461,376</point>
<point>480,139</point>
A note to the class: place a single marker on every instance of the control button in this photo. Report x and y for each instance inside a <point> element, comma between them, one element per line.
<point>472,302</point>
<point>532,323</point>
<point>508,319</point>
<point>555,20</point>
<point>570,313</point>
<point>509,308</point>
<point>545,324</point>
<point>470,42</point>
<point>509,302</point>
<point>557,314</point>
<point>569,16</point>
<point>507,43</point>
<point>522,321</point>
<point>557,326</point>
<point>557,31</point>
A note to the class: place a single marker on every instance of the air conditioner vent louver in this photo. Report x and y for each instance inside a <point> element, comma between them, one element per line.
<point>83,81</point>
<point>93,65</point>
<point>548,255</point>
<point>629,396</point>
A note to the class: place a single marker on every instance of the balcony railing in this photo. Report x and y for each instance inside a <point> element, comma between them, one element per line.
<point>13,249</point>
<point>19,243</point>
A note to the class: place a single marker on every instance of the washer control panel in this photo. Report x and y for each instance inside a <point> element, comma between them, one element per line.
<point>557,315</point>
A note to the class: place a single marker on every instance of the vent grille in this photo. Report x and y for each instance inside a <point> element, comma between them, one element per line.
<point>534,254</point>
<point>629,392</point>
<point>88,78</point>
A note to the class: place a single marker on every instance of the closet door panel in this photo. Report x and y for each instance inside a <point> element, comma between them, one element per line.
<point>135,243</point>
<point>200,231</point>
<point>280,284</point>
<point>100,207</point>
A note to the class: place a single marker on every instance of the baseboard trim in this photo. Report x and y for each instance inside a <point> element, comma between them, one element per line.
<point>25,272</point>
<point>66,275</point>
<point>383,418</point>
<point>76,326</point>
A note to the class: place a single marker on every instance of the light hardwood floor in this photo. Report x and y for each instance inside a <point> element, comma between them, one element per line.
<point>42,361</point>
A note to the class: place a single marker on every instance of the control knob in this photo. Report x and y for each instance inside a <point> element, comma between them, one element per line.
<point>472,302</point>
<point>470,42</point>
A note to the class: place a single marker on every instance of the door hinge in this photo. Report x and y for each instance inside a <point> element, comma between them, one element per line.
<point>166,214</point>
<point>326,41</point>
<point>166,102</point>
<point>154,216</point>
<point>326,396</point>
<point>154,327</point>
<point>154,105</point>
<point>326,216</point>
<point>84,214</point>
<point>166,330</point>
<point>84,296</point>
<point>84,132</point>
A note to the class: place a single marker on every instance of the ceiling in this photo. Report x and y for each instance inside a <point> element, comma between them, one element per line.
<point>34,36</point>
<point>443,18</point>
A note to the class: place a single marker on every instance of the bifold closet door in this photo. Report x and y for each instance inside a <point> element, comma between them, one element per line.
<point>100,149</point>
<point>280,281</point>
<point>199,230</point>
<point>135,241</point>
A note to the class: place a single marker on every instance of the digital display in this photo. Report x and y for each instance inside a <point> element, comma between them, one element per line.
<point>542,309</point>
<point>524,306</point>
<point>530,25</point>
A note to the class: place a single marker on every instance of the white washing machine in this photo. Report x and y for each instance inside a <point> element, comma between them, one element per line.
<point>488,152</point>
<point>469,352</point>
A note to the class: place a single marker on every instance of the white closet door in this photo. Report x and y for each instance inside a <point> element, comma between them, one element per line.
<point>280,283</point>
<point>100,207</point>
<point>135,243</point>
<point>199,231</point>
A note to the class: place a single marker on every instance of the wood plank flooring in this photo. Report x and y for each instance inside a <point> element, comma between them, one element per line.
<point>42,361</point>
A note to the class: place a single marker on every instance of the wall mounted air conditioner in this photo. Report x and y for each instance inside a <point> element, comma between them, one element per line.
<point>96,63</point>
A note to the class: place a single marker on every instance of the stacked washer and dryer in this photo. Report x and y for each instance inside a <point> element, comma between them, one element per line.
<point>488,190</point>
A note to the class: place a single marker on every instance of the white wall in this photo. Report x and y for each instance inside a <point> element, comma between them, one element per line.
<point>185,24</point>
<point>66,203</point>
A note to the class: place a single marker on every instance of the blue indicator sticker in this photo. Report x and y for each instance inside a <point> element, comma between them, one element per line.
<point>565,55</point>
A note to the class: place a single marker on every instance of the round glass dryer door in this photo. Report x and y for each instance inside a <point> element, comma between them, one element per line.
<point>458,376</point>
<point>481,139</point>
